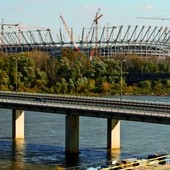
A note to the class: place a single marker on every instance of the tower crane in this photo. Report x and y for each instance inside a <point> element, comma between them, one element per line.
<point>95,21</point>
<point>96,24</point>
<point>70,34</point>
<point>96,29</point>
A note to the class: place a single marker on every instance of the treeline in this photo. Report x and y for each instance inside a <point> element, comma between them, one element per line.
<point>73,73</point>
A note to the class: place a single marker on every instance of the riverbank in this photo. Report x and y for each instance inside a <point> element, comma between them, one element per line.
<point>164,167</point>
<point>155,161</point>
<point>160,167</point>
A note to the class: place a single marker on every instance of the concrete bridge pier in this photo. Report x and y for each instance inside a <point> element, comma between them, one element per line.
<point>72,134</point>
<point>17,124</point>
<point>113,134</point>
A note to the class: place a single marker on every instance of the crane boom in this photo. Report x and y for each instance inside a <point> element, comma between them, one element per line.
<point>66,27</point>
<point>155,18</point>
<point>69,33</point>
<point>97,18</point>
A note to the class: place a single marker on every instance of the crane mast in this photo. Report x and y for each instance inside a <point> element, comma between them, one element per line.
<point>94,22</point>
<point>96,30</point>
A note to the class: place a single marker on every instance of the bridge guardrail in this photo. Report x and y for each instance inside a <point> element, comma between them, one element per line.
<point>87,107</point>
<point>101,99</point>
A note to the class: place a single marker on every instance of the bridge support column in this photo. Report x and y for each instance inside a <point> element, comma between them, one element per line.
<point>18,124</point>
<point>72,134</point>
<point>113,134</point>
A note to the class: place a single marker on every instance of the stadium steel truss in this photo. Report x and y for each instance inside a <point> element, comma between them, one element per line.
<point>141,40</point>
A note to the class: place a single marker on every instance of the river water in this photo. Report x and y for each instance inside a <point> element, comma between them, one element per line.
<point>44,143</point>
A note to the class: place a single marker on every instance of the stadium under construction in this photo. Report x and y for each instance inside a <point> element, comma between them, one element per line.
<point>106,41</point>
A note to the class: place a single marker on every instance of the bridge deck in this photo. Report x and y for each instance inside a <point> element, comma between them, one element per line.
<point>152,112</point>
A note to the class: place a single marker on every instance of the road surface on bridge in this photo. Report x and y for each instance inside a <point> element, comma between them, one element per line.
<point>153,112</point>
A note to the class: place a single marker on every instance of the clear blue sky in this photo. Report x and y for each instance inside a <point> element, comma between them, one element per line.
<point>80,13</point>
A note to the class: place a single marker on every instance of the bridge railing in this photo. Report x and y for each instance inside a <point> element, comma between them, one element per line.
<point>77,98</point>
<point>86,107</point>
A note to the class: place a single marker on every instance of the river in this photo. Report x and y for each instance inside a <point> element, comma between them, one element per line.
<point>44,143</point>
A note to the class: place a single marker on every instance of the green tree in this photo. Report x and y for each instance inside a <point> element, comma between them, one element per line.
<point>77,71</point>
<point>135,65</point>
<point>4,80</point>
<point>58,87</point>
<point>41,80</point>
<point>97,70</point>
<point>150,67</point>
<point>64,70</point>
<point>26,68</point>
<point>158,87</point>
<point>145,86</point>
<point>64,86</point>
<point>163,68</point>
<point>112,70</point>
<point>81,85</point>
<point>71,86</point>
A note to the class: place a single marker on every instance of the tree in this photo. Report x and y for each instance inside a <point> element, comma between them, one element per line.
<point>41,80</point>
<point>71,86</point>
<point>97,70</point>
<point>112,70</point>
<point>150,67</point>
<point>64,69</point>
<point>77,71</point>
<point>81,85</point>
<point>157,86</point>
<point>135,65</point>
<point>40,58</point>
<point>58,87</point>
<point>26,69</point>
<point>163,68</point>
<point>145,86</point>
<point>64,86</point>
<point>106,88</point>
<point>4,80</point>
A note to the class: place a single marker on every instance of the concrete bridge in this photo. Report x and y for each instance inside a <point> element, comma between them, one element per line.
<point>75,106</point>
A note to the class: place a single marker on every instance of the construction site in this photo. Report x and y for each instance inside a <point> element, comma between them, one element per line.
<point>106,41</point>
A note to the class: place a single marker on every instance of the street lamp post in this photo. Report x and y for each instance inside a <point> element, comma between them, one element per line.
<point>121,63</point>
<point>16,75</point>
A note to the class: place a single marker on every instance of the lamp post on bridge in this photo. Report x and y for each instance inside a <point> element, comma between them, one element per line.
<point>16,75</point>
<point>121,63</point>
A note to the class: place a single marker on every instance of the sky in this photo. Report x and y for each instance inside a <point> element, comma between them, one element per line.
<point>81,13</point>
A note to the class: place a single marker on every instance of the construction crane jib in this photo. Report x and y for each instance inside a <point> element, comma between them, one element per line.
<point>70,34</point>
<point>2,30</point>
<point>154,18</point>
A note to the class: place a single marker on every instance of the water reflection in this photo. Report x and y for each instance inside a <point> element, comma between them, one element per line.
<point>114,154</point>
<point>33,156</point>
<point>71,160</point>
<point>18,154</point>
